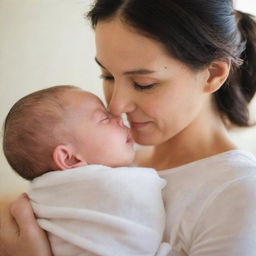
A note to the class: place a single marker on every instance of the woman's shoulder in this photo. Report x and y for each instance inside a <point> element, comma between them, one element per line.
<point>233,161</point>
<point>194,184</point>
<point>212,195</point>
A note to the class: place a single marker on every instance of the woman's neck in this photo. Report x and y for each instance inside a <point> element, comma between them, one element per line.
<point>191,144</point>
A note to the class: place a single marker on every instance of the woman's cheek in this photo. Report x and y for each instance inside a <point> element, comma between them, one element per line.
<point>154,108</point>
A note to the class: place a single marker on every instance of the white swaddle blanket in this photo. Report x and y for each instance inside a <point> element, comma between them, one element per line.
<point>98,210</point>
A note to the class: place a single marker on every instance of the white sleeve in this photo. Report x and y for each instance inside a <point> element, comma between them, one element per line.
<point>227,224</point>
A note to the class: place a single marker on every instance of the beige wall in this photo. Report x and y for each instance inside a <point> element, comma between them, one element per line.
<point>48,42</point>
<point>43,43</point>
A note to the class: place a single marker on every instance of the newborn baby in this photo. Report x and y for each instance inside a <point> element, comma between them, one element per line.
<point>65,141</point>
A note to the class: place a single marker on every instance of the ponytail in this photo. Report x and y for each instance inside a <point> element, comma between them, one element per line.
<point>247,27</point>
<point>233,98</point>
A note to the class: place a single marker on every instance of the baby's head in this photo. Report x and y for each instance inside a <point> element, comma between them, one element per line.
<point>63,127</point>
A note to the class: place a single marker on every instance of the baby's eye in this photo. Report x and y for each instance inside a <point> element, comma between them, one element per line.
<point>105,119</point>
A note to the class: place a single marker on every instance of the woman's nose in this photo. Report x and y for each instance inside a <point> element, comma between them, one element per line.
<point>120,102</point>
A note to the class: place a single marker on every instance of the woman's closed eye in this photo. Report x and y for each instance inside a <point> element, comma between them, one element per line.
<point>143,87</point>
<point>136,85</point>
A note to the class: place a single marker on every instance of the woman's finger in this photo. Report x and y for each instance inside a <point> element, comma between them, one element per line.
<point>23,215</point>
<point>20,233</point>
<point>8,231</point>
<point>8,225</point>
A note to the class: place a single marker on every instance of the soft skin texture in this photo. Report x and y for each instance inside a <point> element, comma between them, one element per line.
<point>175,114</point>
<point>172,108</point>
<point>94,131</point>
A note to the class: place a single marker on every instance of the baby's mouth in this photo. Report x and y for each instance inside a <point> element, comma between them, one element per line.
<point>129,139</point>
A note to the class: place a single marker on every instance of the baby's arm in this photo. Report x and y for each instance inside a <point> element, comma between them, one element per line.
<point>20,233</point>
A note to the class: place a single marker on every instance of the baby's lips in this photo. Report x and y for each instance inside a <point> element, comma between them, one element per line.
<point>129,136</point>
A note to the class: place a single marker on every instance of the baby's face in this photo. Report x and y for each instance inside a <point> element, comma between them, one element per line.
<point>99,137</point>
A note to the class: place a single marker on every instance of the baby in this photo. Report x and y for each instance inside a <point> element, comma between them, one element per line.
<point>72,149</point>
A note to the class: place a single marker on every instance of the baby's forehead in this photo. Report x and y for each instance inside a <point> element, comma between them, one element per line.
<point>80,100</point>
<point>78,94</point>
<point>93,98</point>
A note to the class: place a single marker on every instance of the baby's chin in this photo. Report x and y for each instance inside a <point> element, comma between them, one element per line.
<point>127,160</point>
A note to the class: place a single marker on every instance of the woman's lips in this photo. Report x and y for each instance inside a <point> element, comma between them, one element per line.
<point>139,125</point>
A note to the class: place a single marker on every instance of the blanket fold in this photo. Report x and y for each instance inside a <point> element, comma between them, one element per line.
<point>98,210</point>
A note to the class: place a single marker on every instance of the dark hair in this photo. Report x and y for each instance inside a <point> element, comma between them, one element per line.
<point>30,136</point>
<point>197,32</point>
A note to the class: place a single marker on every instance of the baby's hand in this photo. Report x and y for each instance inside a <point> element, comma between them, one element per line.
<point>19,232</point>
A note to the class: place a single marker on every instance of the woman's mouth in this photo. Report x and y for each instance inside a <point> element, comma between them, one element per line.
<point>139,125</point>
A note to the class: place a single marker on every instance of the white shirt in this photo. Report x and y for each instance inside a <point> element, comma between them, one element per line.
<point>211,206</point>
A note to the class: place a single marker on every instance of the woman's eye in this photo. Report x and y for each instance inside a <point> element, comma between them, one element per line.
<point>136,85</point>
<point>106,78</point>
<point>143,87</point>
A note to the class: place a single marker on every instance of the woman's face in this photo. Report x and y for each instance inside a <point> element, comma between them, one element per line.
<point>160,95</point>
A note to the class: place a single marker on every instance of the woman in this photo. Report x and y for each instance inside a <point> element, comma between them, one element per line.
<point>183,72</point>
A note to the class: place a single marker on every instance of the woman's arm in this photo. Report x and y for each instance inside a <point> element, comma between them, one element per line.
<point>20,233</point>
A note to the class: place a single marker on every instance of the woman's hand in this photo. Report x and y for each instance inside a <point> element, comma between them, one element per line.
<point>20,234</point>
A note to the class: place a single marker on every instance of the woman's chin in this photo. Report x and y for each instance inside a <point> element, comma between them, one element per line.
<point>145,140</point>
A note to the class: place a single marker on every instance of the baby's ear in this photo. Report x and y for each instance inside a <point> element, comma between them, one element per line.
<point>64,158</point>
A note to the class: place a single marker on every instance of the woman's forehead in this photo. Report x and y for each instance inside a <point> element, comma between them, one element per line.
<point>117,43</point>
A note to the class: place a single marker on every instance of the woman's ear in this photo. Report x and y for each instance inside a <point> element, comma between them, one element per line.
<point>65,158</point>
<point>218,72</point>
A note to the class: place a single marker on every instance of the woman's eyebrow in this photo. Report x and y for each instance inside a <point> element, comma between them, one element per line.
<point>132,72</point>
<point>139,72</point>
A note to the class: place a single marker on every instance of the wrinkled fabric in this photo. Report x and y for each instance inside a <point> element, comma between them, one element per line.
<point>211,206</point>
<point>98,210</point>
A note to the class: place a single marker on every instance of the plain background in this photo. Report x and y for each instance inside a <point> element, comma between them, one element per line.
<point>49,42</point>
